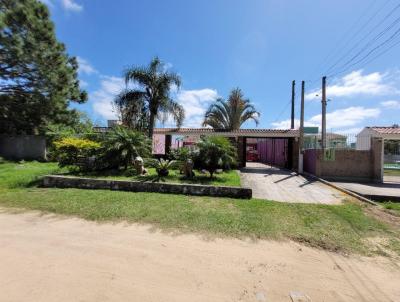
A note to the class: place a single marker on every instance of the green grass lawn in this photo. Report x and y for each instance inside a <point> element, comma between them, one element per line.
<point>392,172</point>
<point>226,178</point>
<point>343,228</point>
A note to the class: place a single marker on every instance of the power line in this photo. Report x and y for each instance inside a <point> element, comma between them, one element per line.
<point>393,36</point>
<point>282,112</point>
<point>366,36</point>
<point>371,42</point>
<point>338,45</point>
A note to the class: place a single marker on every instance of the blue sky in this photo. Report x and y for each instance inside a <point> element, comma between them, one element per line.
<point>257,45</point>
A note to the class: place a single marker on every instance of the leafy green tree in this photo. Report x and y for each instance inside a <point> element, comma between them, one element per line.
<point>215,152</point>
<point>38,79</point>
<point>122,145</point>
<point>230,114</point>
<point>151,98</point>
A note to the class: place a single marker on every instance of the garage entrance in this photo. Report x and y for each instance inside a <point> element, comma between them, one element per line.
<point>271,151</point>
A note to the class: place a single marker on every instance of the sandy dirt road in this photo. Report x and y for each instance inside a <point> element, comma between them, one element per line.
<point>49,258</point>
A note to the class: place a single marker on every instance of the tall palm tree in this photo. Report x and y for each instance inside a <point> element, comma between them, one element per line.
<point>151,95</point>
<point>231,114</point>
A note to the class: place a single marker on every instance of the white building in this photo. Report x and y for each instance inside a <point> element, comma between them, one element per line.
<point>386,133</point>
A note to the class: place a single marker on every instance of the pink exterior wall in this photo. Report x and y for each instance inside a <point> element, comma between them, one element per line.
<point>158,144</point>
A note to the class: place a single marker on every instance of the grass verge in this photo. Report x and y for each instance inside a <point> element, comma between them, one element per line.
<point>393,206</point>
<point>343,228</point>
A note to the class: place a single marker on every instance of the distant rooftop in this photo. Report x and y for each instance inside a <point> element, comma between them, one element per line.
<point>386,130</point>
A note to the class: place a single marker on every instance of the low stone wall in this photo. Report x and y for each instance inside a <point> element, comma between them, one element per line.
<point>54,181</point>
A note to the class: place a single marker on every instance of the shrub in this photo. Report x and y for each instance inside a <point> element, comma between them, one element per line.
<point>162,166</point>
<point>183,155</point>
<point>121,146</point>
<point>68,150</point>
<point>216,152</point>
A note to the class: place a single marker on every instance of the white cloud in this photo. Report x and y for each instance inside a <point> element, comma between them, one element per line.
<point>103,97</point>
<point>347,117</point>
<point>285,124</point>
<point>83,84</point>
<point>356,83</point>
<point>85,67</point>
<point>71,5</point>
<point>195,103</point>
<point>391,104</point>
<point>338,119</point>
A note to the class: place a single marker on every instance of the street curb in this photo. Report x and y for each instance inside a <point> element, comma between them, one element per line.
<point>355,195</point>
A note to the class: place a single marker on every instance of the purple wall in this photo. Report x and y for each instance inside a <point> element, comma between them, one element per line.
<point>310,161</point>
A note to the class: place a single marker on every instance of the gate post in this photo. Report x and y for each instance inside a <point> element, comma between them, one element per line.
<point>241,151</point>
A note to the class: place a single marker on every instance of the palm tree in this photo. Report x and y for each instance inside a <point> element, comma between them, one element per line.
<point>151,95</point>
<point>123,145</point>
<point>231,114</point>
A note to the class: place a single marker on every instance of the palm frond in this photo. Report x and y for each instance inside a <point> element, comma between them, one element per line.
<point>230,114</point>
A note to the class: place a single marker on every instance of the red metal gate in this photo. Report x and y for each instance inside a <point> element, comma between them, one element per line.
<point>273,151</point>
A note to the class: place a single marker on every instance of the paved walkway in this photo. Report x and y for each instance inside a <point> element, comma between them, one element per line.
<point>283,185</point>
<point>389,190</point>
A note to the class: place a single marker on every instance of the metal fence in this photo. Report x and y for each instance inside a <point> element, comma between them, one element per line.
<point>337,141</point>
<point>392,154</point>
<point>355,142</point>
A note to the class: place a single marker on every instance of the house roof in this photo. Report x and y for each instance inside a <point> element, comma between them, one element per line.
<point>386,130</point>
<point>240,132</point>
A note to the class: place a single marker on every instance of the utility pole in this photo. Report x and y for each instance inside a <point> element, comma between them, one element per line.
<point>323,101</point>
<point>301,138</point>
<point>293,96</point>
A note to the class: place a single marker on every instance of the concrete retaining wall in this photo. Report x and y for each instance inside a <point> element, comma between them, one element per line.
<point>354,165</point>
<point>23,147</point>
<point>348,164</point>
<point>53,181</point>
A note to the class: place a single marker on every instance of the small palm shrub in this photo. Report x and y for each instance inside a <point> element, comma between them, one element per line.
<point>162,166</point>
<point>69,150</point>
<point>121,146</point>
<point>183,156</point>
<point>216,152</point>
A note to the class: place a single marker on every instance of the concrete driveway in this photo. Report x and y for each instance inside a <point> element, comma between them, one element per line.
<point>283,185</point>
<point>389,190</point>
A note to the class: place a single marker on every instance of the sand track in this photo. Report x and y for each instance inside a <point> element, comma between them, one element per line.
<point>49,258</point>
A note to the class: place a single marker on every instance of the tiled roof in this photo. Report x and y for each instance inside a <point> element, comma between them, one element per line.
<point>386,130</point>
<point>210,130</point>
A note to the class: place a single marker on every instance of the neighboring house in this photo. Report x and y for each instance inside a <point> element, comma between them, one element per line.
<point>391,135</point>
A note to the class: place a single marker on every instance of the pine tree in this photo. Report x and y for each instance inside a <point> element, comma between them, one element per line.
<point>38,79</point>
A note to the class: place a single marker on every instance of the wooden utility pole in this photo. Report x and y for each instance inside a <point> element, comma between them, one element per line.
<point>293,96</point>
<point>301,138</point>
<point>323,124</point>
